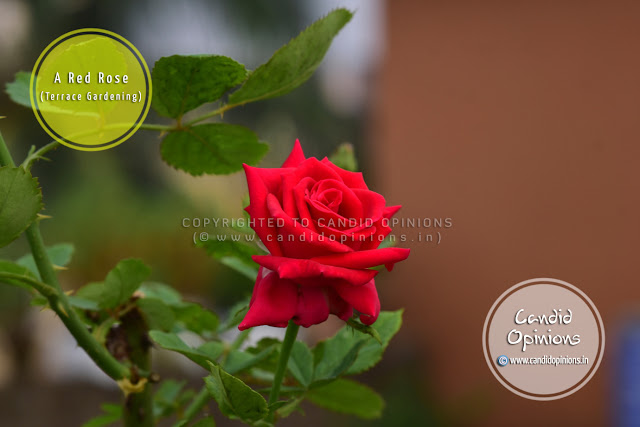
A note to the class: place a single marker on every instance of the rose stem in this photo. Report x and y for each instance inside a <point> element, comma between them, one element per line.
<point>285,352</point>
<point>58,300</point>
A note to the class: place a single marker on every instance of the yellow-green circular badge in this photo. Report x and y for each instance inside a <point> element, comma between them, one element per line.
<point>90,89</point>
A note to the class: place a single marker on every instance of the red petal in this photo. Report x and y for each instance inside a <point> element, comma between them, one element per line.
<point>365,259</point>
<point>295,157</point>
<point>310,273</point>
<point>313,307</point>
<point>298,241</point>
<point>262,183</point>
<point>338,306</point>
<point>352,179</point>
<point>362,298</point>
<point>273,303</point>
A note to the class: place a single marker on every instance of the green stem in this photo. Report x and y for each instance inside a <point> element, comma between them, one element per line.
<point>58,300</point>
<point>217,112</point>
<point>195,406</point>
<point>285,352</point>
<point>138,408</point>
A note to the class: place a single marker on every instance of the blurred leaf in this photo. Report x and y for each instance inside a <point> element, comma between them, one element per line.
<point>214,148</point>
<point>195,318</point>
<point>293,63</point>
<point>182,83</point>
<point>207,352</point>
<point>248,271</point>
<point>20,202</point>
<point>348,397</point>
<point>112,414</point>
<point>236,314</point>
<point>164,293</point>
<point>234,254</point>
<point>287,409</point>
<point>60,255</point>
<point>239,361</point>
<point>205,422</point>
<point>118,286</point>
<point>18,90</point>
<point>157,314</point>
<point>234,397</point>
<point>345,158</point>
<point>301,363</point>
<point>13,268</point>
<point>166,398</point>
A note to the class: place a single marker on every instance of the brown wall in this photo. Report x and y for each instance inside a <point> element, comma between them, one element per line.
<point>520,121</point>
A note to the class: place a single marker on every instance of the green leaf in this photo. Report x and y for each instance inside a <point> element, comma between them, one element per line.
<point>234,397</point>
<point>13,268</point>
<point>234,254</point>
<point>164,293</point>
<point>301,363</point>
<point>334,358</point>
<point>294,63</point>
<point>20,202</point>
<point>248,271</point>
<point>166,398</point>
<point>207,352</point>
<point>195,318</point>
<point>214,148</point>
<point>205,422</point>
<point>157,314</point>
<point>60,255</point>
<point>387,325</point>
<point>345,158</point>
<point>112,414</point>
<point>236,314</point>
<point>365,329</point>
<point>348,397</point>
<point>118,286</point>
<point>182,83</point>
<point>18,90</point>
<point>239,361</point>
<point>288,407</point>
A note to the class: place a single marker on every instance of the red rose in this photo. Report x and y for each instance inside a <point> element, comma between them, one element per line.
<point>322,227</point>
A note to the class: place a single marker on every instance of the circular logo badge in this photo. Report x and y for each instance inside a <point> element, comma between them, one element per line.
<point>90,89</point>
<point>543,339</point>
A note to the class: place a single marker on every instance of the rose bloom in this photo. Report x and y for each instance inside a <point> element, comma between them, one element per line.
<point>322,227</point>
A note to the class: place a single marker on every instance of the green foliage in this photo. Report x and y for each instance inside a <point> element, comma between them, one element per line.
<point>387,325</point>
<point>18,90</point>
<point>234,397</point>
<point>13,268</point>
<point>195,318</point>
<point>106,311</point>
<point>112,414</point>
<point>205,422</point>
<point>301,363</point>
<point>234,254</point>
<point>239,361</point>
<point>118,286</point>
<point>157,314</point>
<point>208,352</point>
<point>214,148</point>
<point>59,254</point>
<point>345,158</point>
<point>182,83</point>
<point>170,397</point>
<point>293,63</point>
<point>348,397</point>
<point>20,202</point>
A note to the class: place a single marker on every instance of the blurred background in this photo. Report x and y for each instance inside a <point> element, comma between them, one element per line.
<point>517,121</point>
